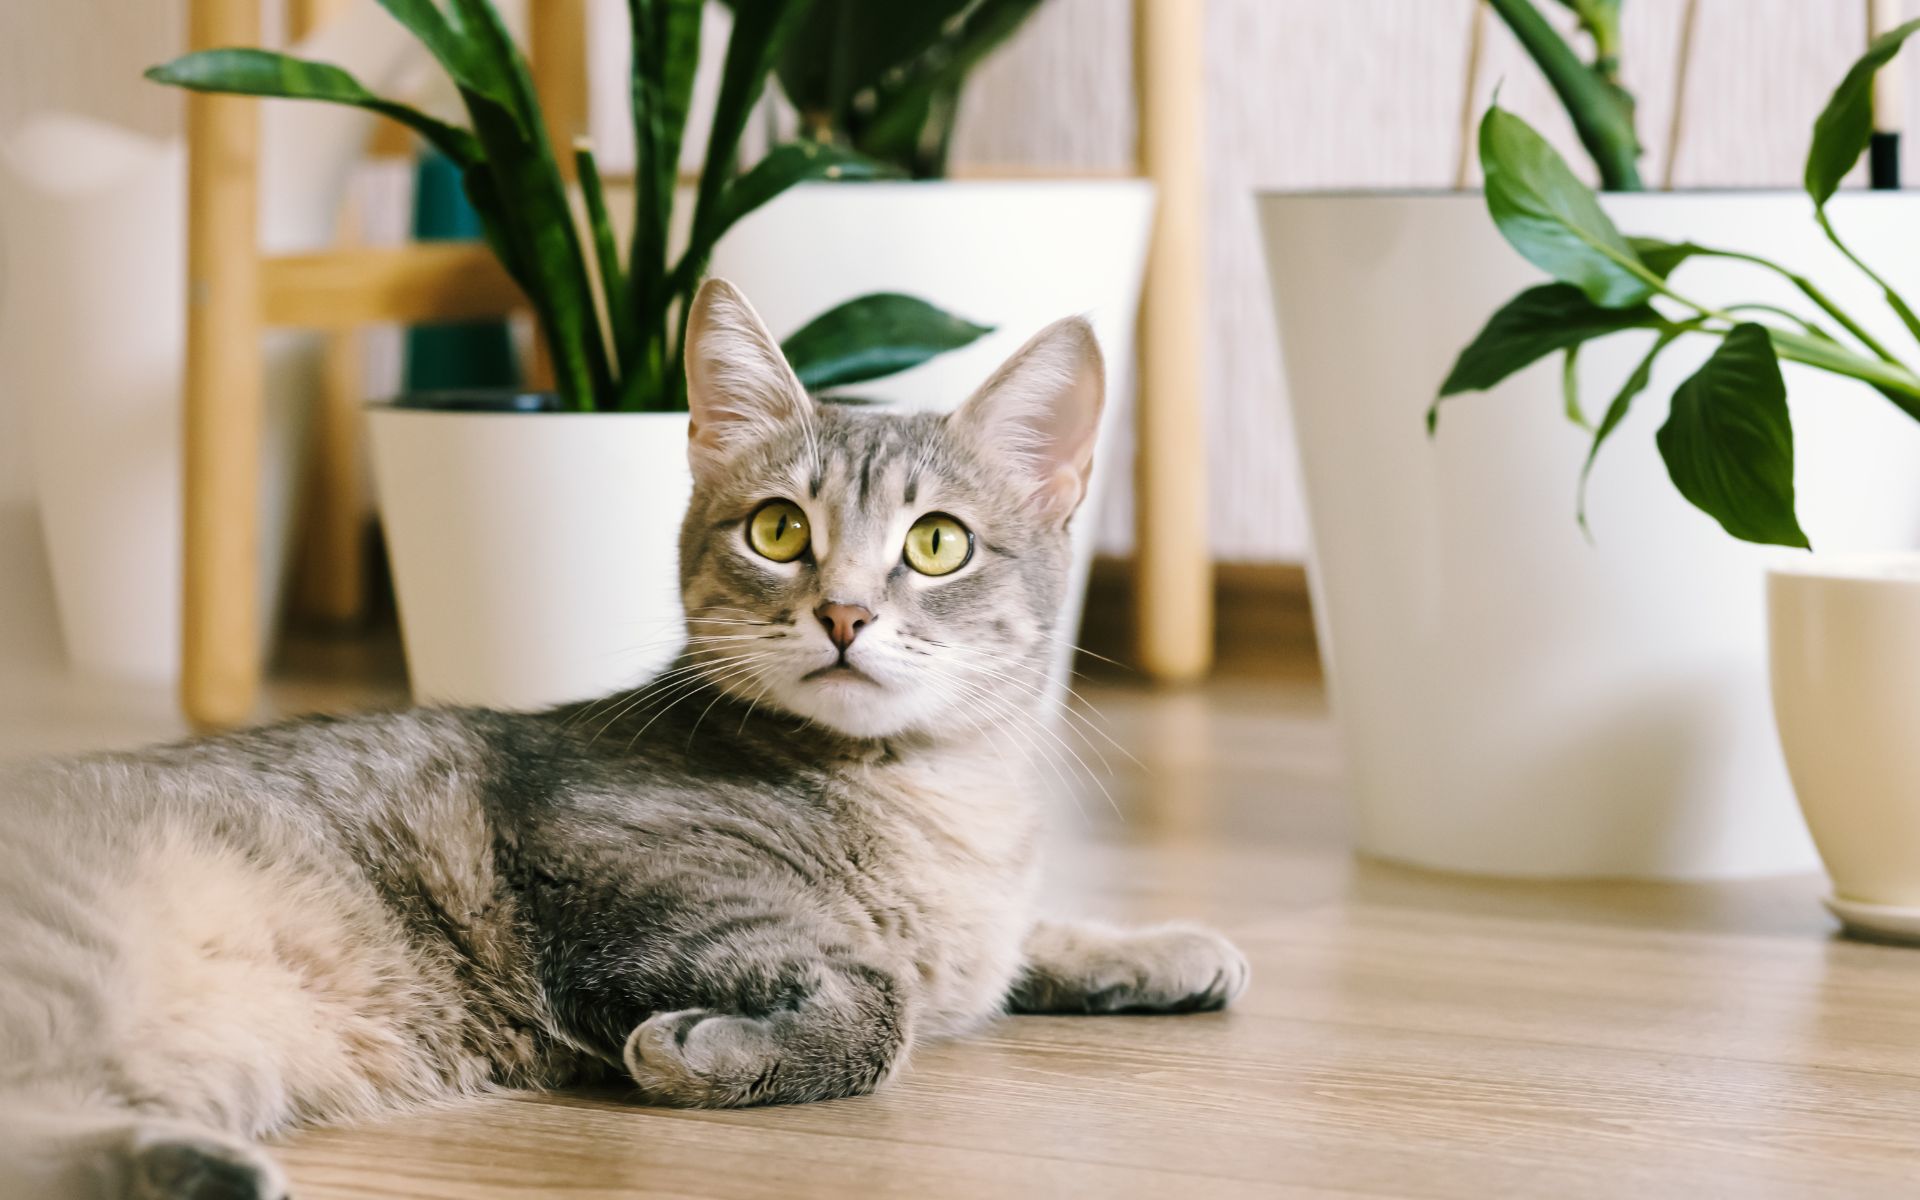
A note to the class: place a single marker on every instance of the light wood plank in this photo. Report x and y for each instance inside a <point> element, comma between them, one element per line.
<point>427,281</point>
<point>220,672</point>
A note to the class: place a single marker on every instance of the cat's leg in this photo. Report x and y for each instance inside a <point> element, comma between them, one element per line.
<point>1092,968</point>
<point>840,1030</point>
<point>55,1152</point>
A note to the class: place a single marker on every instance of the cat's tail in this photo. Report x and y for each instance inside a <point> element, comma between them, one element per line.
<point>55,1148</point>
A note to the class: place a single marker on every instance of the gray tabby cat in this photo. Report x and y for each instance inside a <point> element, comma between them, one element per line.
<point>761,879</point>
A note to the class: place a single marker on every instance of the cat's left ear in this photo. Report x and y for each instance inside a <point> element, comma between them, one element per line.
<point>1042,408</point>
<point>739,386</point>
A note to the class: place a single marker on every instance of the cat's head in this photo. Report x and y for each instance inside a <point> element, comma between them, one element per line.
<point>879,572</point>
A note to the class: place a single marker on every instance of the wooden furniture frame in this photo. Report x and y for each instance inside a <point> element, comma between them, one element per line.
<point>235,294</point>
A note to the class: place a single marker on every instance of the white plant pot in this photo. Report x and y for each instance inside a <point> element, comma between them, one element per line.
<point>1845,654</point>
<point>1013,255</point>
<point>1512,699</point>
<point>535,555</point>
<point>93,299</point>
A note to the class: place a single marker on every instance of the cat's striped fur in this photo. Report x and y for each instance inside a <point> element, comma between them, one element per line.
<point>761,878</point>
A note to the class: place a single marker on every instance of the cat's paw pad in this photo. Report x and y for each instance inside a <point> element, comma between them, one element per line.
<point>1179,968</point>
<point>697,1057</point>
<point>173,1166</point>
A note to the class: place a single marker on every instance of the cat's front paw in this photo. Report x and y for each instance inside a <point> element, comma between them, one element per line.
<point>1180,968</point>
<point>1099,969</point>
<point>699,1058</point>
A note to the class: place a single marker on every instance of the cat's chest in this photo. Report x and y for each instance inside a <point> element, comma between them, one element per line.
<point>942,859</point>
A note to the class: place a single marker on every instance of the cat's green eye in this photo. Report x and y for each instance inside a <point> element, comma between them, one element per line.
<point>938,545</point>
<point>778,530</point>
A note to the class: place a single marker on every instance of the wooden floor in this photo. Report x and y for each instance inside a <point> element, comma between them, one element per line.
<point>1406,1035</point>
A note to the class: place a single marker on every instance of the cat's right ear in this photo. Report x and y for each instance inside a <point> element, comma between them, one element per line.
<point>739,386</point>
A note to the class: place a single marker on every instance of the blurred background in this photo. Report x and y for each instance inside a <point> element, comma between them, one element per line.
<point>1300,94</point>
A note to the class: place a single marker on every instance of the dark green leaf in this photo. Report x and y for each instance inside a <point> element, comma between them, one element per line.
<point>1662,258</point>
<point>248,72</point>
<point>795,162</point>
<point>844,48</point>
<point>666,53</point>
<point>1728,441</point>
<point>1552,218</point>
<point>901,111</point>
<point>1570,387</point>
<point>1540,320</point>
<point>530,211</point>
<point>457,54</point>
<point>874,336</point>
<point>1602,112</point>
<point>760,28</point>
<point>613,279</point>
<point>1841,132</point>
<point>1636,383</point>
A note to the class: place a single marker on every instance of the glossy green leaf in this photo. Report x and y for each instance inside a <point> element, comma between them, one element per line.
<point>1537,322</point>
<point>1844,127</point>
<point>533,203</point>
<point>1552,218</point>
<point>1601,110</point>
<point>760,28</point>
<point>874,336</point>
<point>666,53</point>
<point>248,72</point>
<point>1636,382</point>
<point>899,126</point>
<point>457,53</point>
<point>785,166</point>
<point>1662,258</point>
<point>613,277</point>
<point>844,49</point>
<point>1728,441</point>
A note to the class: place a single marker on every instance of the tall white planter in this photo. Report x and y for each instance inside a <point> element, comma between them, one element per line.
<point>1514,700</point>
<point>1013,255</point>
<point>535,555</point>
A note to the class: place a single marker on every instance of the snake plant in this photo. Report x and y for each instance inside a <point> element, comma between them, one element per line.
<point>1728,438</point>
<point>883,77</point>
<point>1602,110</point>
<point>571,274</point>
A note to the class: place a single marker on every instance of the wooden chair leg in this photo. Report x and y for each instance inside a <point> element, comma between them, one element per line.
<point>220,675</point>
<point>1173,565</point>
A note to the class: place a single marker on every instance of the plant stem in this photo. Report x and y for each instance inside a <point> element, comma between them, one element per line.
<point>1894,301</point>
<point>1603,121</point>
<point>1813,293</point>
<point>1892,380</point>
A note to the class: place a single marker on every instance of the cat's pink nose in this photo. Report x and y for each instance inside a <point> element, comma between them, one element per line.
<point>843,621</point>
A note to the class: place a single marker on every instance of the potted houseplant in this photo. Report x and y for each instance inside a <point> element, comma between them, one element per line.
<point>533,536</point>
<point>1515,697</point>
<point>1844,629</point>
<point>885,79</point>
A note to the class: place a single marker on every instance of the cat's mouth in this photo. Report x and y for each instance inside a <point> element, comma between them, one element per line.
<point>841,669</point>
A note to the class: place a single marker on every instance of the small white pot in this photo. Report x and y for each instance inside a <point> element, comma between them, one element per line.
<point>1015,255</point>
<point>1514,700</point>
<point>535,555</point>
<point>1845,638</point>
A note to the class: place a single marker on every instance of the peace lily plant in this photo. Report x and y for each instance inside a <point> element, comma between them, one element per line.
<point>1728,438</point>
<point>1601,109</point>
<point>631,360</point>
